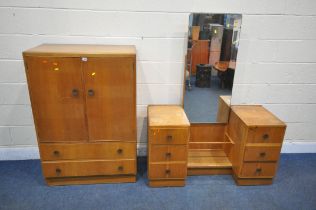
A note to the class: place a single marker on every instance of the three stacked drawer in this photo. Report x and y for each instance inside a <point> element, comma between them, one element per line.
<point>257,135</point>
<point>168,135</point>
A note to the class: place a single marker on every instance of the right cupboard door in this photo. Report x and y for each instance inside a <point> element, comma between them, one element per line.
<point>110,85</point>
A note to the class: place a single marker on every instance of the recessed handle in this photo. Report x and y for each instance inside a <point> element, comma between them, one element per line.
<point>262,154</point>
<point>119,151</point>
<point>265,136</point>
<point>58,171</point>
<point>167,171</point>
<point>168,155</point>
<point>91,92</point>
<point>169,138</point>
<point>120,168</point>
<point>56,153</point>
<point>258,170</point>
<point>75,92</point>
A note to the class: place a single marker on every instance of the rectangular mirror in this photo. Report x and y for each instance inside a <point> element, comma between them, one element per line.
<point>213,41</point>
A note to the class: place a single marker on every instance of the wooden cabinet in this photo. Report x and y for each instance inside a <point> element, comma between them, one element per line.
<point>199,54</point>
<point>84,106</point>
<point>257,137</point>
<point>168,135</point>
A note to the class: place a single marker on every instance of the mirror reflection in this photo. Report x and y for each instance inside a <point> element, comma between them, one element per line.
<point>210,66</point>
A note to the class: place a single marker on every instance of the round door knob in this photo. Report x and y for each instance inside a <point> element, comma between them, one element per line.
<point>119,151</point>
<point>75,92</point>
<point>169,137</point>
<point>168,155</point>
<point>258,170</point>
<point>120,168</point>
<point>262,154</point>
<point>265,136</point>
<point>58,171</point>
<point>91,92</point>
<point>168,171</point>
<point>56,153</point>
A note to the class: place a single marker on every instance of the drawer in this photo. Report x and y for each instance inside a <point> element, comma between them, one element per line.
<point>258,170</point>
<point>266,135</point>
<point>262,153</point>
<point>105,150</point>
<point>167,171</point>
<point>169,136</point>
<point>160,153</point>
<point>88,168</point>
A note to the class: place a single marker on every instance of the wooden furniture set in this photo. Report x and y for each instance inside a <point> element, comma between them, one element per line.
<point>84,106</point>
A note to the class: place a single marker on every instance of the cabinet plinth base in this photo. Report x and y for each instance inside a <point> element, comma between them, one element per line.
<point>167,183</point>
<point>252,181</point>
<point>209,171</point>
<point>90,180</point>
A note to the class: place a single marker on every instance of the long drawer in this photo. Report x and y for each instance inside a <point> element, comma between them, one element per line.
<point>81,151</point>
<point>262,153</point>
<point>88,168</point>
<point>258,170</point>
<point>167,171</point>
<point>169,135</point>
<point>161,153</point>
<point>266,135</point>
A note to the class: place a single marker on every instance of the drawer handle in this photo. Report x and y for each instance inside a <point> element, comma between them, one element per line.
<point>91,92</point>
<point>119,151</point>
<point>169,138</point>
<point>56,153</point>
<point>168,155</point>
<point>58,171</point>
<point>262,154</point>
<point>168,171</point>
<point>120,168</point>
<point>75,92</point>
<point>258,170</point>
<point>265,137</point>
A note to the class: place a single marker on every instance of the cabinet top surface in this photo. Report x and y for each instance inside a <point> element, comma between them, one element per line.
<point>253,115</point>
<point>167,115</point>
<point>76,50</point>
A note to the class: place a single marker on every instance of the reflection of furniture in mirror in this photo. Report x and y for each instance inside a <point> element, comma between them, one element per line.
<point>199,53</point>
<point>168,135</point>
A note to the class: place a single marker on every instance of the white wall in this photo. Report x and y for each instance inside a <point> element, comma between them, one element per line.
<point>276,61</point>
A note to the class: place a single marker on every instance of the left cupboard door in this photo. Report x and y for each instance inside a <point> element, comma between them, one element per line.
<point>56,92</point>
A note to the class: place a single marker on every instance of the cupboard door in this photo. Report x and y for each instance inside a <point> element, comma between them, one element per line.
<point>111,98</point>
<point>56,92</point>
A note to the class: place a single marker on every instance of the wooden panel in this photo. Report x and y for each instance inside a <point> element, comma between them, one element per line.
<point>223,109</point>
<point>207,132</point>
<point>78,50</point>
<point>90,180</point>
<point>168,136</point>
<point>262,153</point>
<point>111,98</point>
<point>237,132</point>
<point>167,171</point>
<point>161,153</point>
<point>88,168</point>
<point>253,115</point>
<point>209,171</point>
<point>167,115</point>
<point>57,98</point>
<point>200,53</point>
<point>167,183</point>
<point>104,150</point>
<point>266,134</point>
<point>259,169</point>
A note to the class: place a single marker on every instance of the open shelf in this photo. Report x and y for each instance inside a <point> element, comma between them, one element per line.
<point>208,162</point>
